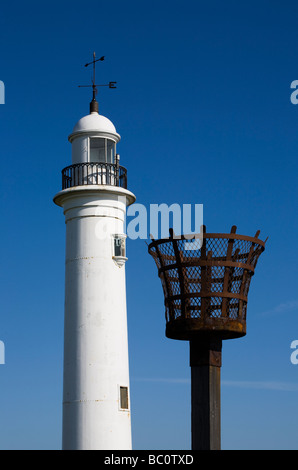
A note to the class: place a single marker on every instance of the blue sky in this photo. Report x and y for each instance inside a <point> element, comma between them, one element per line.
<point>203,108</point>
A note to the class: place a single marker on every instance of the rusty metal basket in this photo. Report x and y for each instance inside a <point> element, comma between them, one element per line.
<point>205,280</point>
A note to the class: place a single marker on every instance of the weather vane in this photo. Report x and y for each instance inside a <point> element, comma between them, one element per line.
<point>94,103</point>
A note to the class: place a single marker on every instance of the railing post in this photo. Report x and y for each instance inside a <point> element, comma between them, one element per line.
<point>117,168</point>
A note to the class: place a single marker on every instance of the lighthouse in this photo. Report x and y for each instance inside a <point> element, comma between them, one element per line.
<point>94,198</point>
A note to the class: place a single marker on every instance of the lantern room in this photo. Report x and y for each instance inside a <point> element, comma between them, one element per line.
<point>94,139</point>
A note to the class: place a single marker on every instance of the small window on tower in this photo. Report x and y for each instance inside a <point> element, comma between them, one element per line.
<point>119,251</point>
<point>119,246</point>
<point>124,398</point>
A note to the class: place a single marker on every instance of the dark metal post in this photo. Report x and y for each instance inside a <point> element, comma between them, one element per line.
<point>205,363</point>
<point>93,106</point>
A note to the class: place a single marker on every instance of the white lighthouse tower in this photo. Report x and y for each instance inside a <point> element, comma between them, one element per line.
<point>94,197</point>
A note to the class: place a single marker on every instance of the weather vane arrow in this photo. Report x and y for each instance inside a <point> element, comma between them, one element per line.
<point>94,103</point>
<point>93,61</point>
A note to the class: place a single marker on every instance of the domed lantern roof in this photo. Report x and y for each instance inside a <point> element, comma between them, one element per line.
<point>96,125</point>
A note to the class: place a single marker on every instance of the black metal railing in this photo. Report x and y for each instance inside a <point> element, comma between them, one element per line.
<point>81,174</point>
